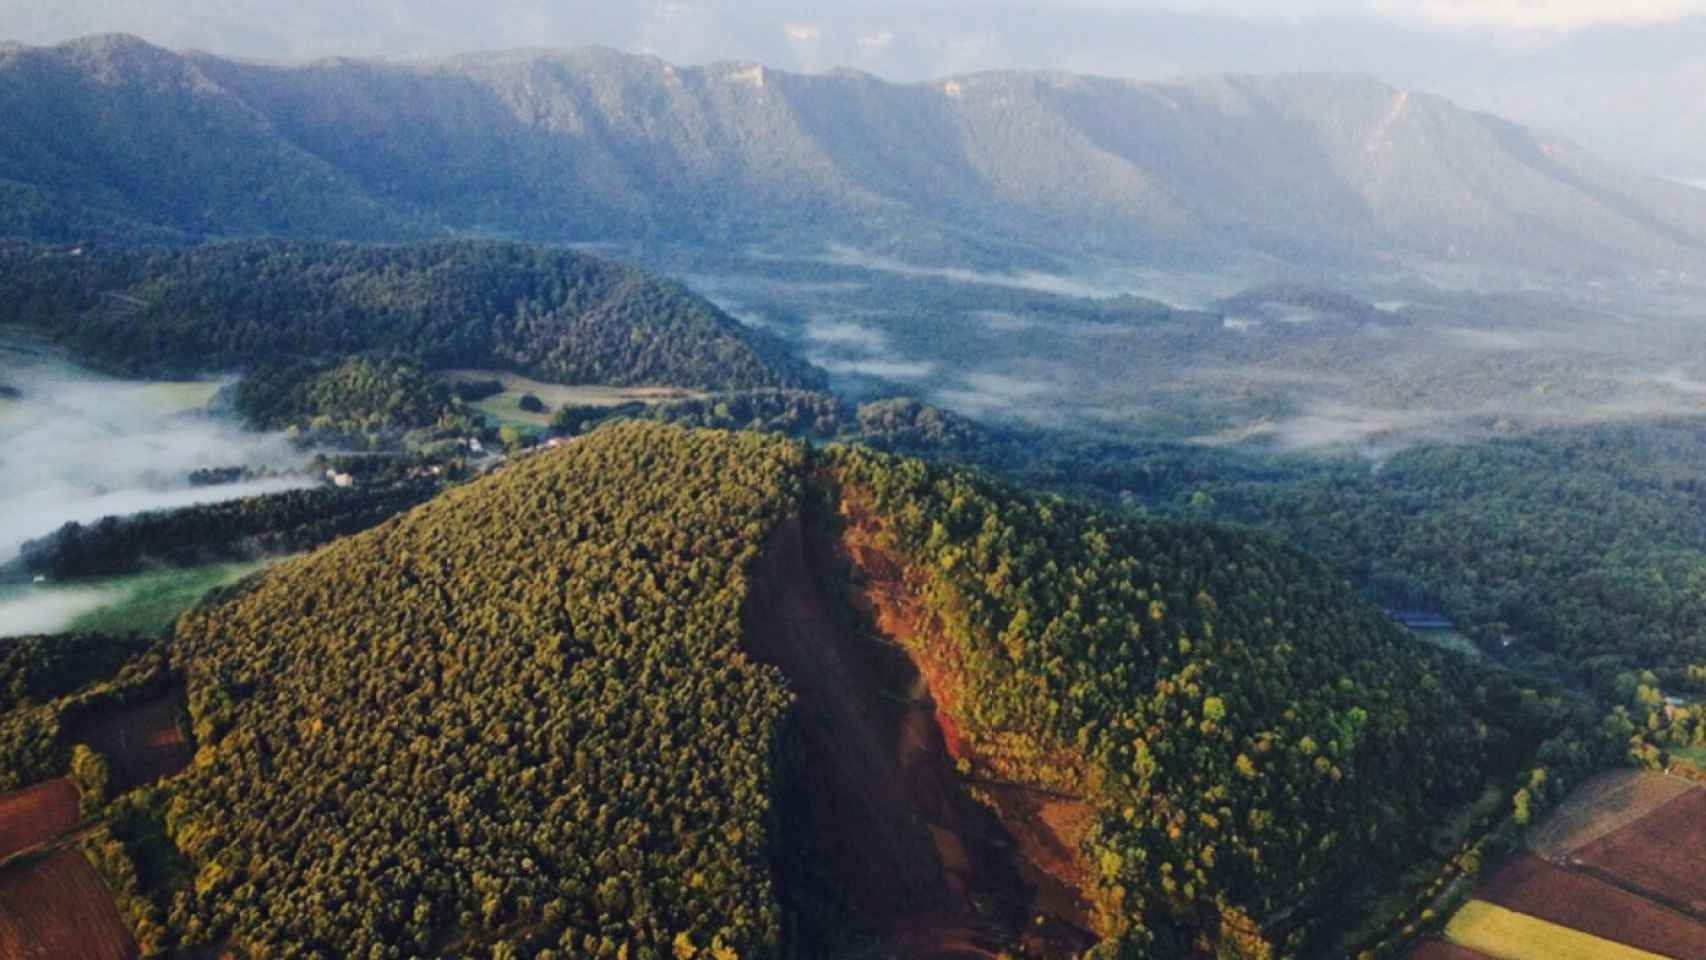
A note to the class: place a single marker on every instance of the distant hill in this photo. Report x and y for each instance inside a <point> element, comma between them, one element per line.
<point>645,690</point>
<point>555,314</point>
<point>117,139</point>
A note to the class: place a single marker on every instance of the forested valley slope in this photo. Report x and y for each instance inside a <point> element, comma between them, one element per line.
<point>596,704</point>
<point>559,315</point>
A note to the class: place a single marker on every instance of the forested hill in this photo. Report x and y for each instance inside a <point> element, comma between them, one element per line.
<point>111,138</point>
<point>553,314</point>
<point>526,712</point>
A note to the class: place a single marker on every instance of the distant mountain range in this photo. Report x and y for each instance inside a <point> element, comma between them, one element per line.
<point>115,139</point>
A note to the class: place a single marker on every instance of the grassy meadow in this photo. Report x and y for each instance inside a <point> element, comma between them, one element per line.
<point>137,603</point>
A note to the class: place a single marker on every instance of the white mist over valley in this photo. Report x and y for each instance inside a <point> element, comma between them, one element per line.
<point>79,446</point>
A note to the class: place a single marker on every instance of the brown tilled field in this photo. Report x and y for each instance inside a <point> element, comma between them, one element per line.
<point>1572,899</point>
<point>36,815</point>
<point>56,908</point>
<point>1658,856</point>
<point>1440,950</point>
<point>1602,806</point>
<point>143,743</point>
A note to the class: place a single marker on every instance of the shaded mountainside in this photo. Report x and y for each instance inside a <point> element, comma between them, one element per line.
<point>636,694</point>
<point>119,139</point>
<point>554,314</point>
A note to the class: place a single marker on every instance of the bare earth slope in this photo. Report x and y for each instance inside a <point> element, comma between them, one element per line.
<point>932,872</point>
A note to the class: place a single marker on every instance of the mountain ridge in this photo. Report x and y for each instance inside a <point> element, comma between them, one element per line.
<point>591,144</point>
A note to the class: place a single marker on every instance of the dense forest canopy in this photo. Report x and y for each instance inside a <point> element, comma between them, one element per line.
<point>518,712</point>
<point>243,529</point>
<point>552,314</point>
<point>1579,551</point>
<point>1250,730</point>
<point>521,716</point>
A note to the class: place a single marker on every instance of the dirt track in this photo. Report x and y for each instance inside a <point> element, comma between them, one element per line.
<point>933,873</point>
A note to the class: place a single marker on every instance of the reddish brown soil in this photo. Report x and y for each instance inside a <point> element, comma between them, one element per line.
<point>55,908</point>
<point>142,743</point>
<point>1658,856</point>
<point>1440,950</point>
<point>1530,885</point>
<point>1602,806</point>
<point>35,815</point>
<point>931,872</point>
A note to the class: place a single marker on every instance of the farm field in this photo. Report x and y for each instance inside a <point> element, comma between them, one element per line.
<point>56,907</point>
<point>52,903</point>
<point>136,603</point>
<point>1508,935</point>
<point>503,409</point>
<point>1441,950</point>
<point>1602,806</point>
<point>155,599</point>
<point>1693,755</point>
<point>25,351</point>
<point>171,397</point>
<point>1659,856</point>
<point>1449,640</point>
<point>143,743</point>
<point>1612,874</point>
<point>36,814</point>
<point>1532,886</point>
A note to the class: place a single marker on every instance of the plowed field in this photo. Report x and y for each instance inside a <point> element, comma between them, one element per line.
<point>1602,806</point>
<point>1661,856</point>
<point>56,908</point>
<point>1531,885</point>
<point>36,815</point>
<point>143,743</point>
<point>1440,950</point>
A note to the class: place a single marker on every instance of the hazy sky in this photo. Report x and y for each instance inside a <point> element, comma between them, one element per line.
<point>1624,78</point>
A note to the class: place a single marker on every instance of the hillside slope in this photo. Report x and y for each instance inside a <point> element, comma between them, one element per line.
<point>516,713</point>
<point>534,711</point>
<point>555,314</point>
<point>589,144</point>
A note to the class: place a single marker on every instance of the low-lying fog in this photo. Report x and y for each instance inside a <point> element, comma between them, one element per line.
<point>27,610</point>
<point>1369,364</point>
<point>75,445</point>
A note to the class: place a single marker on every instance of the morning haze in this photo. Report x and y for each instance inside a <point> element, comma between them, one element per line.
<point>1620,78</point>
<point>698,480</point>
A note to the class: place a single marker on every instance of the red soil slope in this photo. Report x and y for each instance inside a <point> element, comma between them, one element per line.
<point>931,872</point>
<point>56,908</point>
<point>35,815</point>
